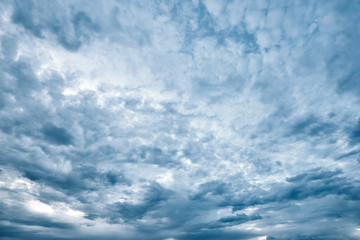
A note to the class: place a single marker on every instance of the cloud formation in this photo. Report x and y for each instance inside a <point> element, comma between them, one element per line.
<point>179,119</point>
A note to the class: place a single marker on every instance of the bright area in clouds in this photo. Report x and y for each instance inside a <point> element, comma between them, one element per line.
<point>180,119</point>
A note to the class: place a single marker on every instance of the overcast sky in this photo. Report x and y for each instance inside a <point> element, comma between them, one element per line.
<point>177,120</point>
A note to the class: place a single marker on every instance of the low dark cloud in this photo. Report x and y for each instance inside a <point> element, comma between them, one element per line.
<point>213,188</point>
<point>56,135</point>
<point>315,174</point>
<point>355,133</point>
<point>25,224</point>
<point>79,180</point>
<point>312,126</point>
<point>39,17</point>
<point>217,234</point>
<point>155,195</point>
<point>239,218</point>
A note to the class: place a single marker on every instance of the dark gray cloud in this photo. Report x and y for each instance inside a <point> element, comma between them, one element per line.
<point>155,194</point>
<point>311,126</point>
<point>56,135</point>
<point>216,234</point>
<point>238,219</point>
<point>355,134</point>
<point>38,17</point>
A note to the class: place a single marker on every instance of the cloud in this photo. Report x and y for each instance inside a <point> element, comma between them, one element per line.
<point>238,219</point>
<point>154,196</point>
<point>179,120</point>
<point>355,134</point>
<point>71,29</point>
<point>56,135</point>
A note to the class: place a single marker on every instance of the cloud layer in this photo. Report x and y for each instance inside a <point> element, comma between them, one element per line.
<point>179,119</point>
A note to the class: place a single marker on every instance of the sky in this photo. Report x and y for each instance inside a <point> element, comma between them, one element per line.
<point>180,120</point>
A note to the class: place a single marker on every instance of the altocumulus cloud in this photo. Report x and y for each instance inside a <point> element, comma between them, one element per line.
<point>179,120</point>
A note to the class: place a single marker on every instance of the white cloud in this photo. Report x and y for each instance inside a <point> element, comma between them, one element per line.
<point>214,7</point>
<point>39,207</point>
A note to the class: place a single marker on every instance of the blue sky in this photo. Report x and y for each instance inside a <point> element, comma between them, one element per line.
<point>180,119</point>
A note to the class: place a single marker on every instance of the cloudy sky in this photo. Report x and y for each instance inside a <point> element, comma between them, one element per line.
<point>178,120</point>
